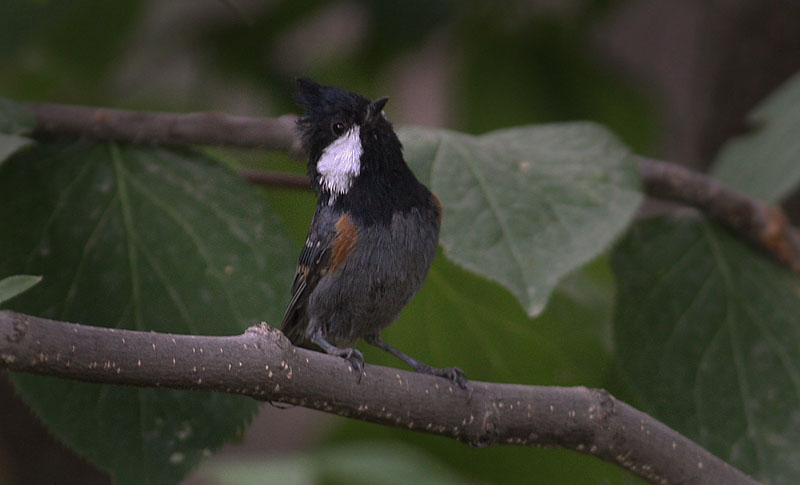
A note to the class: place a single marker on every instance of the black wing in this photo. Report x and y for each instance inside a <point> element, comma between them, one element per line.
<point>311,266</point>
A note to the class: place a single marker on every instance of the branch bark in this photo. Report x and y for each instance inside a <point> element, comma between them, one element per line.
<point>263,364</point>
<point>167,128</point>
<point>763,225</point>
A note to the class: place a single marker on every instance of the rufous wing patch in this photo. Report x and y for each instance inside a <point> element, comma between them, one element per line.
<point>438,204</point>
<point>344,242</point>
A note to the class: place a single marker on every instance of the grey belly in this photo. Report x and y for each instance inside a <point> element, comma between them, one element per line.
<point>350,307</point>
<point>380,277</point>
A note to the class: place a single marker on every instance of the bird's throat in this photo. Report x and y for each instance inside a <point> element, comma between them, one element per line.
<point>340,163</point>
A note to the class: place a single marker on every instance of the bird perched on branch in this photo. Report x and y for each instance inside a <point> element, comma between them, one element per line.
<point>374,232</point>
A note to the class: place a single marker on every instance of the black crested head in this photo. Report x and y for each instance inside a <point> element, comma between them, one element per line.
<point>324,107</point>
<point>353,152</point>
<point>321,101</point>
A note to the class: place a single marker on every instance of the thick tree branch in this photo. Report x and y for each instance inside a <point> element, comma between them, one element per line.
<point>763,225</point>
<point>263,364</point>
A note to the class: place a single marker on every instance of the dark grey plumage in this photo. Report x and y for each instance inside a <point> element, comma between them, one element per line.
<point>374,232</point>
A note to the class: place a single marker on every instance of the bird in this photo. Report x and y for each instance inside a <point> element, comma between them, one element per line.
<point>373,235</point>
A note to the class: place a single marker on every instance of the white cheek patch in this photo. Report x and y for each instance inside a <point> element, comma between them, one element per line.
<point>340,162</point>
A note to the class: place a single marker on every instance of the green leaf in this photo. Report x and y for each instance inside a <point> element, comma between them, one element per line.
<point>15,121</point>
<point>766,162</point>
<point>525,206</point>
<point>149,239</point>
<point>707,331</point>
<point>12,286</point>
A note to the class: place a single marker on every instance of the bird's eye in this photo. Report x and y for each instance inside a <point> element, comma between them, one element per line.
<point>337,128</point>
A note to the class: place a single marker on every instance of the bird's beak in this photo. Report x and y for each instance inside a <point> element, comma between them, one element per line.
<point>374,109</point>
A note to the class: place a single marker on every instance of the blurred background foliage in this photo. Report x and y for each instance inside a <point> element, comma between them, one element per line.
<point>665,76</point>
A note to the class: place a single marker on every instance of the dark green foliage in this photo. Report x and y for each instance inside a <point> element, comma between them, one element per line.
<point>524,206</point>
<point>148,239</point>
<point>707,330</point>
<point>705,333</point>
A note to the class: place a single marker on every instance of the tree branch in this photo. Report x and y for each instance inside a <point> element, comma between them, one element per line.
<point>262,363</point>
<point>762,224</point>
<point>167,128</point>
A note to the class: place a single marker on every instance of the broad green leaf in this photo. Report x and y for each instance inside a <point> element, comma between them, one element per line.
<point>766,162</point>
<point>15,121</point>
<point>12,286</point>
<point>148,239</point>
<point>365,463</point>
<point>461,319</point>
<point>295,207</point>
<point>708,331</point>
<point>525,206</point>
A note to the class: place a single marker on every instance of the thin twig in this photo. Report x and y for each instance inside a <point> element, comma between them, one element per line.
<point>263,364</point>
<point>764,225</point>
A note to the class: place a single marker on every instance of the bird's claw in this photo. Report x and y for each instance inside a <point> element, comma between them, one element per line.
<point>457,376</point>
<point>356,360</point>
<point>454,375</point>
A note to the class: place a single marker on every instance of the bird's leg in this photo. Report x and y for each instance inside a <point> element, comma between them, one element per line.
<point>352,356</point>
<point>452,373</point>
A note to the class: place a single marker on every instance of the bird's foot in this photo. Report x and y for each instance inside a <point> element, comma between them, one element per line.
<point>352,356</point>
<point>355,358</point>
<point>453,374</point>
